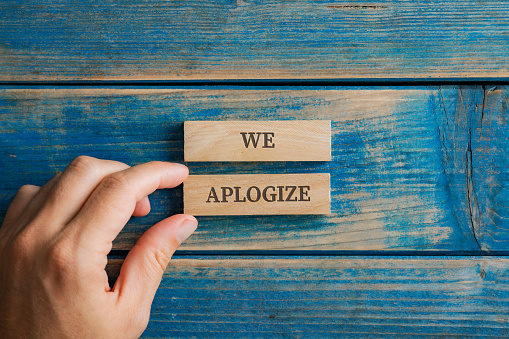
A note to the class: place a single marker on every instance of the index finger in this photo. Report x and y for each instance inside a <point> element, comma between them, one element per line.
<point>113,201</point>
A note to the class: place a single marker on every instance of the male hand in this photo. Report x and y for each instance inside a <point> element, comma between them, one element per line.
<point>54,243</point>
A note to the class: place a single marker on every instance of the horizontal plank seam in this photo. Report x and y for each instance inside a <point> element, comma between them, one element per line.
<point>269,82</point>
<point>117,254</point>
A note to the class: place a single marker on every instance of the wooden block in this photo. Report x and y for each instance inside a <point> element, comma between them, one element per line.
<point>252,194</point>
<point>257,140</point>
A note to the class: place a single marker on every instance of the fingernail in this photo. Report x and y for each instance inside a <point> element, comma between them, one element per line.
<point>180,165</point>
<point>186,229</point>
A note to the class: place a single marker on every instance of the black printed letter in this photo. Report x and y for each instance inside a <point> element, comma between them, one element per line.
<point>304,190</point>
<point>225,195</point>
<point>251,138</point>
<point>213,195</point>
<point>289,197</point>
<point>268,140</point>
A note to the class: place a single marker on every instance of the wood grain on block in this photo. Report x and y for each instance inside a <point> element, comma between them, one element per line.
<point>257,194</point>
<point>283,140</point>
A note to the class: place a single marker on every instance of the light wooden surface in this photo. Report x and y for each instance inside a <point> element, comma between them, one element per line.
<point>257,194</point>
<point>270,39</point>
<point>283,140</point>
<point>332,297</point>
<point>398,174</point>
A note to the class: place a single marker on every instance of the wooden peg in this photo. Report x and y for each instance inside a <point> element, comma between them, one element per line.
<point>251,194</point>
<point>292,140</point>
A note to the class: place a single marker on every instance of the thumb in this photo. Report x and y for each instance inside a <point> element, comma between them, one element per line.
<point>144,266</point>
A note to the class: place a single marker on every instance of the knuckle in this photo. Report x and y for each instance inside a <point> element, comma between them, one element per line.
<point>60,256</point>
<point>156,261</point>
<point>20,248</point>
<point>116,181</point>
<point>23,243</point>
<point>160,260</point>
<point>83,164</point>
<point>28,189</point>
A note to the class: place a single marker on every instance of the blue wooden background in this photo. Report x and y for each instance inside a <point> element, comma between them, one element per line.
<point>400,177</point>
<point>417,241</point>
<point>324,297</point>
<point>241,39</point>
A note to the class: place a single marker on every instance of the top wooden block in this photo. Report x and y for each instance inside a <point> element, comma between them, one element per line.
<point>257,140</point>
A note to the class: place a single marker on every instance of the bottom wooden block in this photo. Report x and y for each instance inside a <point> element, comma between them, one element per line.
<point>250,194</point>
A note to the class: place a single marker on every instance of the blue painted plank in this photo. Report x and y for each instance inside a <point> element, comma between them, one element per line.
<point>490,164</point>
<point>255,39</point>
<point>352,297</point>
<point>456,138</point>
<point>397,175</point>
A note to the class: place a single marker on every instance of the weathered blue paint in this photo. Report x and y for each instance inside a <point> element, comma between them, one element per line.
<point>456,138</point>
<point>490,163</point>
<point>397,175</point>
<point>236,39</point>
<point>353,297</point>
<point>414,170</point>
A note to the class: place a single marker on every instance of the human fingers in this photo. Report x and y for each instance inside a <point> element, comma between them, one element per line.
<point>142,207</point>
<point>33,206</point>
<point>145,264</point>
<point>31,199</point>
<point>74,186</point>
<point>114,200</point>
<point>18,204</point>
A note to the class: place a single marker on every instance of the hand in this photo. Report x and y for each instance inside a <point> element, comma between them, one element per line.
<point>54,244</point>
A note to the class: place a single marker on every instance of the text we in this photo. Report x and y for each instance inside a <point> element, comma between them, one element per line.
<point>254,138</point>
